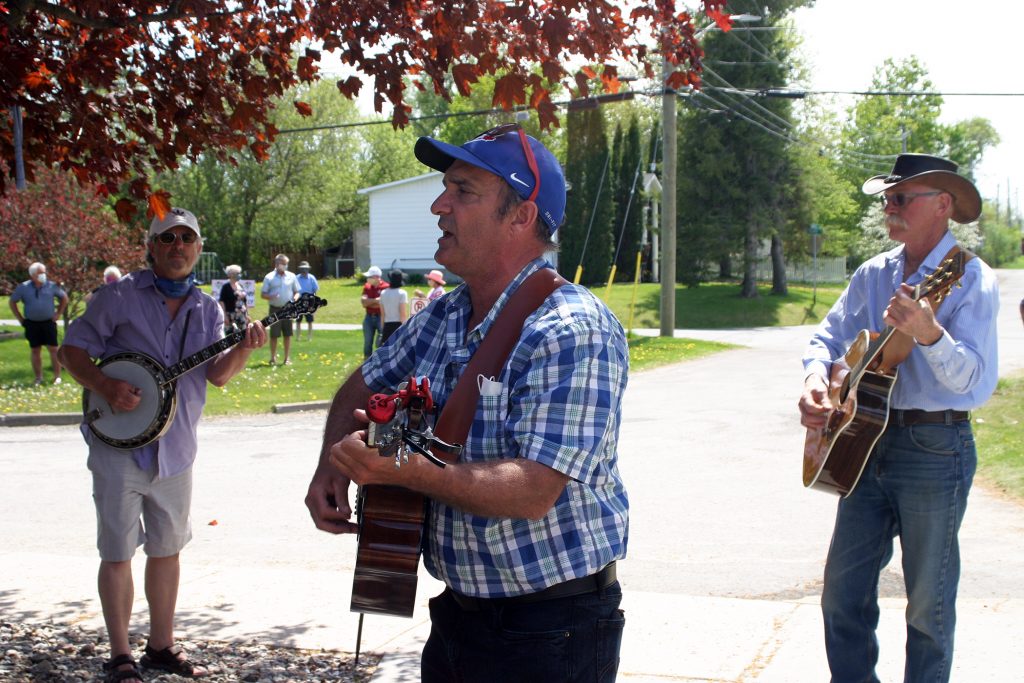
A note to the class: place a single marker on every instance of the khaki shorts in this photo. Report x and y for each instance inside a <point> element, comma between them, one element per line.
<point>281,326</point>
<point>133,507</point>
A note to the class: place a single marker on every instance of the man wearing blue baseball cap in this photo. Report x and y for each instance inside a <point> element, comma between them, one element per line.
<point>525,525</point>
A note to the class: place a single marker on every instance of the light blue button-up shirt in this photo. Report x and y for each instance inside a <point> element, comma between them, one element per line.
<point>39,301</point>
<point>957,372</point>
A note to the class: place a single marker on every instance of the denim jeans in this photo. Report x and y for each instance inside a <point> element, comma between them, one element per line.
<point>574,639</point>
<point>915,486</point>
<point>371,333</point>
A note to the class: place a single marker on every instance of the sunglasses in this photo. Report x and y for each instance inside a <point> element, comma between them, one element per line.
<point>902,199</point>
<point>170,237</point>
<point>531,160</point>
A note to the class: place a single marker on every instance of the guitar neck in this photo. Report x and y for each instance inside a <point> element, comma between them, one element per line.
<point>210,352</point>
<point>874,349</point>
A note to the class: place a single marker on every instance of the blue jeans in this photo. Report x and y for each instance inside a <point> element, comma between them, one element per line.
<point>371,333</point>
<point>574,639</point>
<point>915,486</point>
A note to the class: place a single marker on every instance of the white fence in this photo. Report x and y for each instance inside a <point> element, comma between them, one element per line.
<point>827,269</point>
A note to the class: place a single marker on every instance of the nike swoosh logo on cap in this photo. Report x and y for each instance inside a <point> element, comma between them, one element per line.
<point>513,177</point>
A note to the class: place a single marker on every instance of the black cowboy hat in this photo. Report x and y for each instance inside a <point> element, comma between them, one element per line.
<point>934,172</point>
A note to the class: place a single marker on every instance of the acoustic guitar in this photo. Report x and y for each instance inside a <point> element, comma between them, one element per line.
<point>391,519</point>
<point>152,417</point>
<point>860,385</point>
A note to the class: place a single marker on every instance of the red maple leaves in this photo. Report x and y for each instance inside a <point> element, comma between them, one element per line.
<point>113,90</point>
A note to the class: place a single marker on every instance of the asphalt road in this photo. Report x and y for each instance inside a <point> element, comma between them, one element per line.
<point>726,547</point>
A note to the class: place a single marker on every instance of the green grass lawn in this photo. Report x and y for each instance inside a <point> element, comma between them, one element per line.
<point>321,365</point>
<point>999,433</point>
<point>713,305</point>
<point>318,368</point>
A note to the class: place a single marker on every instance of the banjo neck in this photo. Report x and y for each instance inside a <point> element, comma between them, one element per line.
<point>213,350</point>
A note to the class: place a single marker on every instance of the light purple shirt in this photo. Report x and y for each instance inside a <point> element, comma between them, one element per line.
<point>131,316</point>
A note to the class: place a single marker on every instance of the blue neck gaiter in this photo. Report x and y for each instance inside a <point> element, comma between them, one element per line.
<point>175,289</point>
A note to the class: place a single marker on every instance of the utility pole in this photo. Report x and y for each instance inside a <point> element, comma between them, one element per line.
<point>668,204</point>
<point>19,161</point>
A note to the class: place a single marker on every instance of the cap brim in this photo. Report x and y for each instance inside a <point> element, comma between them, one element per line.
<point>441,155</point>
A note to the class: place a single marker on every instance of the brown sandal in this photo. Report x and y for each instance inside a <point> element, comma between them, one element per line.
<point>113,674</point>
<point>173,660</point>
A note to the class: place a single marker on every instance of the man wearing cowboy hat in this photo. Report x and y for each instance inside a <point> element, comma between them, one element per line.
<point>917,477</point>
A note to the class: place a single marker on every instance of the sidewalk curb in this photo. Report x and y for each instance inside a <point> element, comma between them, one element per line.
<point>296,407</point>
<point>39,419</point>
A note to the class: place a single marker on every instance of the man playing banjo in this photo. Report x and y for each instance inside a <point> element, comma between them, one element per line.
<point>143,495</point>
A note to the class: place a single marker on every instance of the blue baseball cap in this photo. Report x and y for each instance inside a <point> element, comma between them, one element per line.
<point>501,151</point>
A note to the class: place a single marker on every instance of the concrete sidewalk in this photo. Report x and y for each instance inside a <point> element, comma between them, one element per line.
<point>726,546</point>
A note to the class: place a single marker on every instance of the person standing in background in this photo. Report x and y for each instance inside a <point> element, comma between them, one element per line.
<point>307,285</point>
<point>436,280</point>
<point>37,295</point>
<point>279,287</point>
<point>370,301</point>
<point>234,300</point>
<point>394,305</point>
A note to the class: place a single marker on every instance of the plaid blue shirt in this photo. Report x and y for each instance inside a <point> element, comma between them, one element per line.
<point>559,404</point>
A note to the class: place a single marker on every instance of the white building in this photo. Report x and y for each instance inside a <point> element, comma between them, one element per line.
<point>403,232</point>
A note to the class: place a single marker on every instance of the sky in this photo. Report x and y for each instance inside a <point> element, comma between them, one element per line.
<point>965,47</point>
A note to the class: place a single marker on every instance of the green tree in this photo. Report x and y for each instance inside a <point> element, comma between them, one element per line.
<point>966,142</point>
<point>301,196</point>
<point>586,236</point>
<point>737,179</point>
<point>627,227</point>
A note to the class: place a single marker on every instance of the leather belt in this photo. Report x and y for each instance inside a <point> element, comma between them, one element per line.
<point>905,418</point>
<point>566,589</point>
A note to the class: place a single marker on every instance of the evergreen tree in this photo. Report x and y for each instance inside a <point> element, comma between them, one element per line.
<point>737,180</point>
<point>628,224</point>
<point>586,236</point>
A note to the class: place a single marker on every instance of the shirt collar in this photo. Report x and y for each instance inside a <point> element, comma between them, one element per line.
<point>459,301</point>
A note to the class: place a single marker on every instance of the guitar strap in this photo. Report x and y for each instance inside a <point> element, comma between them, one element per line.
<point>900,344</point>
<point>460,409</point>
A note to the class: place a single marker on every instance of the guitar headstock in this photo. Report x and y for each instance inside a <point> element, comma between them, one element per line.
<point>306,303</point>
<point>939,284</point>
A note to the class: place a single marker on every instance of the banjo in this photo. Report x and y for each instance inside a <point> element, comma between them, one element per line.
<point>151,419</point>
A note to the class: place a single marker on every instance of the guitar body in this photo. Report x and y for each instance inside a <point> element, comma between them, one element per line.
<point>149,420</point>
<point>391,522</point>
<point>836,454</point>
<point>860,385</point>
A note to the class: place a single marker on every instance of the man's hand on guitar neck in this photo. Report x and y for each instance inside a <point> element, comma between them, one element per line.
<point>914,318</point>
<point>814,402</point>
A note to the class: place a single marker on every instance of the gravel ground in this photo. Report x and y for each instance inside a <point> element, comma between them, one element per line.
<point>45,653</point>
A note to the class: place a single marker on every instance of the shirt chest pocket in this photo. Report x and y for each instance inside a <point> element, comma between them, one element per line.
<point>488,434</point>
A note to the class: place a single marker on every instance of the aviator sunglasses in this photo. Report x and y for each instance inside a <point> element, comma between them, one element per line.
<point>170,237</point>
<point>531,160</point>
<point>901,199</point>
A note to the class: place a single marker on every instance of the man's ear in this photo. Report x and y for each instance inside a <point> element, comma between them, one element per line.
<point>946,203</point>
<point>525,216</point>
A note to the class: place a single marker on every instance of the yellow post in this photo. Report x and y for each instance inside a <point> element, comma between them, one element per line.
<point>636,286</point>
<point>608,289</point>
<point>579,274</point>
